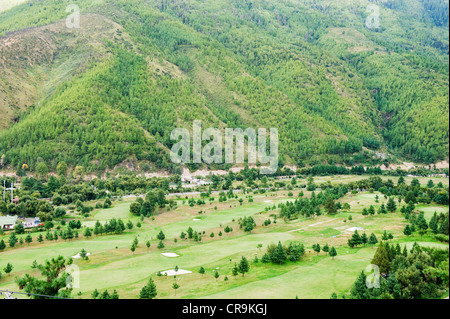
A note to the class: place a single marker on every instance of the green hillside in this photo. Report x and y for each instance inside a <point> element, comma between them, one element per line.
<point>114,89</point>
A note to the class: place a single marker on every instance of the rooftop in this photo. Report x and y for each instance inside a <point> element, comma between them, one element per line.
<point>7,220</point>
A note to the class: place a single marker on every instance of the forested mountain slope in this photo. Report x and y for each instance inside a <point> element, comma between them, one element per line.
<point>114,89</point>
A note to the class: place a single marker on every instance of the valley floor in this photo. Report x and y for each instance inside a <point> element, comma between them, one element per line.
<point>112,265</point>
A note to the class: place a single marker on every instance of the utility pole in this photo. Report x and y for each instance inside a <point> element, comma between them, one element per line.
<point>12,191</point>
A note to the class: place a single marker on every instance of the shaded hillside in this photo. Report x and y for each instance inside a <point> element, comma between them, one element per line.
<point>115,89</point>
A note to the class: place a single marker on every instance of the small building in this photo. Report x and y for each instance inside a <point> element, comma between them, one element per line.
<point>7,222</point>
<point>186,179</point>
<point>31,222</point>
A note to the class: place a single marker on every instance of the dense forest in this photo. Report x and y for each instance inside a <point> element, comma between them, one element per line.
<point>338,91</point>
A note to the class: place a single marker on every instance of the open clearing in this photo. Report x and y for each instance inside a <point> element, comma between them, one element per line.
<point>112,265</point>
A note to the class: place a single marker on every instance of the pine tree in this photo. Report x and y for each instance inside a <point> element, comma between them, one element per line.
<point>235,270</point>
<point>330,205</point>
<point>364,239</point>
<point>9,267</point>
<point>382,209</point>
<point>87,232</point>
<point>130,225</point>
<point>13,240</point>
<point>149,291</point>
<point>407,231</point>
<point>391,206</point>
<point>202,271</point>
<point>359,288</point>
<point>95,294</point>
<point>118,229</point>
<point>443,229</point>
<point>421,224</point>
<point>381,259</point>
<point>175,286</point>
<point>244,266</point>
<point>265,259</point>
<point>279,255</point>
<point>357,238</point>
<point>333,252</point>
<point>405,252</point>
<point>373,239</point>
<point>316,248</point>
<point>97,228</point>
<point>434,224</point>
<point>28,239</point>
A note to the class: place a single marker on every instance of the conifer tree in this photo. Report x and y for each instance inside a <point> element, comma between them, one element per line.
<point>333,252</point>
<point>359,288</point>
<point>244,266</point>
<point>391,206</point>
<point>407,231</point>
<point>381,259</point>
<point>279,255</point>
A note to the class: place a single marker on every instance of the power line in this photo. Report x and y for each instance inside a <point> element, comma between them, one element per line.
<point>9,294</point>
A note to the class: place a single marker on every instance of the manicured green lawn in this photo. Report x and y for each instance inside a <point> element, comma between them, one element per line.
<point>113,266</point>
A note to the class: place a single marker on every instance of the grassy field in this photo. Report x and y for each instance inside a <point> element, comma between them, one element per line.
<point>112,265</point>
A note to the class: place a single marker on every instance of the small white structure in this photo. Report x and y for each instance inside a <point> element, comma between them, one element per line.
<point>171,255</point>
<point>172,272</point>
<point>77,256</point>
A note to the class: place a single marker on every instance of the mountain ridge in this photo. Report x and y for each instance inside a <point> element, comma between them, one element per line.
<point>337,94</point>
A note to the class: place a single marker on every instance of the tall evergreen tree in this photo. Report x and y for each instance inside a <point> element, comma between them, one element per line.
<point>381,259</point>
<point>359,289</point>
<point>148,291</point>
<point>407,231</point>
<point>244,266</point>
<point>391,205</point>
<point>279,255</point>
<point>333,252</point>
<point>330,206</point>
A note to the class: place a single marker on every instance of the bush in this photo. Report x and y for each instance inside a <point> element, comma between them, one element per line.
<point>60,212</point>
<point>107,203</point>
<point>442,237</point>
